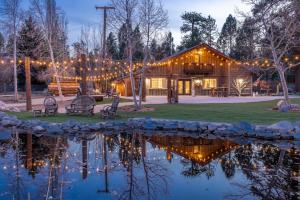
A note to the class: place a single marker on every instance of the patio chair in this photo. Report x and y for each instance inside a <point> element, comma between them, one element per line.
<point>110,112</point>
<point>50,105</point>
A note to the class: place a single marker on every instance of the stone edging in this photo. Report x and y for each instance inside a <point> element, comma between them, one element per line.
<point>283,130</point>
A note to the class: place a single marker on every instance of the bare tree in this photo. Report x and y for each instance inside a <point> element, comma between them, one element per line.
<point>126,12</point>
<point>85,37</point>
<point>239,85</point>
<point>153,18</point>
<point>46,15</point>
<point>279,26</point>
<point>11,11</point>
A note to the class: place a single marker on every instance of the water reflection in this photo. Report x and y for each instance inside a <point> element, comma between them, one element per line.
<point>135,166</point>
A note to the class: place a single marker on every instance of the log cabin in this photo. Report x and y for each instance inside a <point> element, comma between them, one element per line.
<point>200,70</point>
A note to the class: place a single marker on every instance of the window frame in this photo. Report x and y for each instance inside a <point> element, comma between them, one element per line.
<point>160,83</point>
<point>210,79</point>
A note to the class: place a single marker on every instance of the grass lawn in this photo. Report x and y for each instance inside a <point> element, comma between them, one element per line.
<point>258,113</point>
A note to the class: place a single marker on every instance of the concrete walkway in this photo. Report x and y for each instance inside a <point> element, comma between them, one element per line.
<point>161,100</point>
<point>208,99</point>
<point>38,104</point>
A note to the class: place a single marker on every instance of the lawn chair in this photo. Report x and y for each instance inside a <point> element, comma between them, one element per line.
<point>50,105</point>
<point>82,105</point>
<point>110,112</point>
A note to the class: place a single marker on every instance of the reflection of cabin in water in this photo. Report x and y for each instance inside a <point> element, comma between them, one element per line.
<point>199,150</point>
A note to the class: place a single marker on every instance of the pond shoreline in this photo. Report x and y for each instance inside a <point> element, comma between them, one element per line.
<point>242,131</point>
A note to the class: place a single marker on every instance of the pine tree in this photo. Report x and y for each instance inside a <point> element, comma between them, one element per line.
<point>210,31</point>
<point>112,47</point>
<point>2,43</point>
<point>122,41</point>
<point>30,43</point>
<point>138,51</point>
<point>168,47</point>
<point>9,47</point>
<point>228,34</point>
<point>30,40</point>
<point>244,48</point>
<point>153,49</point>
<point>192,28</point>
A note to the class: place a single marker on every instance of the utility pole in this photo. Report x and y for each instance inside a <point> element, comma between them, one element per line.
<point>105,9</point>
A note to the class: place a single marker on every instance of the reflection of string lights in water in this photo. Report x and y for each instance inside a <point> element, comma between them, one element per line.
<point>157,158</point>
<point>151,156</point>
<point>69,162</point>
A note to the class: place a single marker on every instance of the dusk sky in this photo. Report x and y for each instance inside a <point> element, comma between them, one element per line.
<point>82,12</point>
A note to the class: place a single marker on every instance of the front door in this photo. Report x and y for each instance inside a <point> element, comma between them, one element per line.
<point>184,87</point>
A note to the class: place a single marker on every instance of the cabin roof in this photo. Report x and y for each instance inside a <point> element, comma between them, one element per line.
<point>204,45</point>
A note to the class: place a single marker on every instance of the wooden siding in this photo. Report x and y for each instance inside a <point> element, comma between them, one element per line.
<point>185,65</point>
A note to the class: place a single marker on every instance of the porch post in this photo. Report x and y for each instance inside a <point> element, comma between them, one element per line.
<point>126,87</point>
<point>229,79</point>
<point>176,90</point>
<point>169,86</point>
<point>193,88</point>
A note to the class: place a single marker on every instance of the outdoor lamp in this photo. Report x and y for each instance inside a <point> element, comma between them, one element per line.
<point>198,82</point>
<point>240,81</point>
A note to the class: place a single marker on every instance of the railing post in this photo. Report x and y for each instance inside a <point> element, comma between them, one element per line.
<point>28,84</point>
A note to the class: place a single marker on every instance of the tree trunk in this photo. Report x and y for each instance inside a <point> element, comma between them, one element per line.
<point>142,79</point>
<point>16,96</point>
<point>132,80</point>
<point>141,85</point>
<point>61,96</point>
<point>145,60</point>
<point>284,85</point>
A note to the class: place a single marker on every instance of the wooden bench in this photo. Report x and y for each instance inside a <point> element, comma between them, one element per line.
<point>110,112</point>
<point>82,105</point>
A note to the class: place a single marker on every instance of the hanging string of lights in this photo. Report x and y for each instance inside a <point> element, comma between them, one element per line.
<point>99,70</point>
<point>124,64</point>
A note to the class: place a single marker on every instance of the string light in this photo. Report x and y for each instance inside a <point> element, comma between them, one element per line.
<point>117,69</point>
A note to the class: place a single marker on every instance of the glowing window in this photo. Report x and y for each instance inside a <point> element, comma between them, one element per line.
<point>158,83</point>
<point>210,83</point>
<point>197,58</point>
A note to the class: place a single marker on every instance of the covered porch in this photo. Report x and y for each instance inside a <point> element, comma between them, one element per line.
<point>188,86</point>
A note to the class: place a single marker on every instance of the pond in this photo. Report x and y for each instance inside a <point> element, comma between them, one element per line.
<point>137,166</point>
